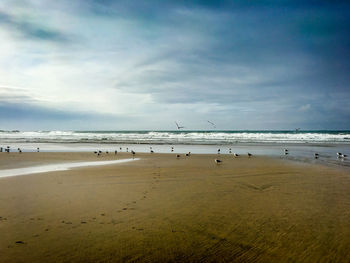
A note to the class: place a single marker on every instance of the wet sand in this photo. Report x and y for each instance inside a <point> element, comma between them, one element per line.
<point>162,209</point>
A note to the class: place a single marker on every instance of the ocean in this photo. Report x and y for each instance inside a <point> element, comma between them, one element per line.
<point>302,145</point>
<point>176,137</point>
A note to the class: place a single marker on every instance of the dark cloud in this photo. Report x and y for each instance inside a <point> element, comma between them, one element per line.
<point>275,63</point>
<point>32,31</point>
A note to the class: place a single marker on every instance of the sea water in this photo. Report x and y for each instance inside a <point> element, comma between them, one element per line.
<point>302,145</point>
<point>57,167</point>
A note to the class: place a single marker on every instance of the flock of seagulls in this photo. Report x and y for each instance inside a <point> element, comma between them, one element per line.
<point>217,161</point>
<point>8,149</point>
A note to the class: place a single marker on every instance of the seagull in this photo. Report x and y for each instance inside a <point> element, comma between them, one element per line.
<point>316,155</point>
<point>133,153</point>
<point>236,154</point>
<point>249,154</point>
<point>178,126</point>
<point>339,154</point>
<point>218,151</point>
<point>172,148</point>
<point>152,151</point>
<point>115,152</point>
<point>212,124</point>
<point>37,149</point>
<point>177,155</point>
<point>344,155</point>
<point>218,161</point>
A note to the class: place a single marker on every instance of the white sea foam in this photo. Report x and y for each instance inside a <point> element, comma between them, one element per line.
<point>177,137</point>
<point>57,167</point>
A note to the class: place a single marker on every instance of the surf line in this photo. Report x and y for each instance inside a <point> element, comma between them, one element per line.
<point>57,167</point>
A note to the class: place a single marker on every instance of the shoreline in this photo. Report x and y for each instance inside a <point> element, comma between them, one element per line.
<point>15,160</point>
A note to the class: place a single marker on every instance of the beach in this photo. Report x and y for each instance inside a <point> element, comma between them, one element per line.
<point>164,209</point>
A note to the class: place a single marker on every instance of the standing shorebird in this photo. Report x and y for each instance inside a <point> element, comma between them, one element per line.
<point>236,154</point>
<point>177,155</point>
<point>249,155</point>
<point>316,155</point>
<point>341,155</point>
<point>115,152</point>
<point>38,149</point>
<point>218,151</point>
<point>133,154</point>
<point>217,161</point>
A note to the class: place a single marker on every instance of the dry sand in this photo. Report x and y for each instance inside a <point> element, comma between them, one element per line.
<point>162,209</point>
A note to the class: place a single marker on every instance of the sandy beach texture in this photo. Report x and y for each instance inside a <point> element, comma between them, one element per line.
<point>163,209</point>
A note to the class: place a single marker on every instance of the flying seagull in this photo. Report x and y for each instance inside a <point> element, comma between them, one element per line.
<point>212,124</point>
<point>179,127</point>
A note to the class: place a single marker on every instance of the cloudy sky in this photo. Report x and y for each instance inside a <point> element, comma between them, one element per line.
<point>118,65</point>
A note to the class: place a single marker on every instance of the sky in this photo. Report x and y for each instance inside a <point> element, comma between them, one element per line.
<point>142,65</point>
